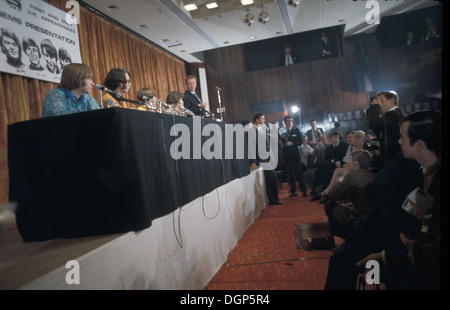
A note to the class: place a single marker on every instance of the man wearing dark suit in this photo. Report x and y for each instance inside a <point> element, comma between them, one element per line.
<point>191,100</point>
<point>291,156</point>
<point>411,263</point>
<point>384,117</point>
<point>270,176</point>
<point>334,154</point>
<point>328,48</point>
<point>314,133</point>
<point>289,57</point>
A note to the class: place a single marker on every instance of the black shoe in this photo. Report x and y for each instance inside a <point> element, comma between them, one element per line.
<point>316,197</point>
<point>324,200</point>
<point>293,195</point>
<point>304,194</point>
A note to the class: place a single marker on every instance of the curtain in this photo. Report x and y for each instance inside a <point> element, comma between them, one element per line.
<point>104,46</point>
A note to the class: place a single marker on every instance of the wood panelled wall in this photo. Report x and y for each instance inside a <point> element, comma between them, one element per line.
<point>330,85</point>
<point>103,45</point>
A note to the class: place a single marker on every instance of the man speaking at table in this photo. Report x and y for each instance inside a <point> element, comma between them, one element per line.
<point>191,100</point>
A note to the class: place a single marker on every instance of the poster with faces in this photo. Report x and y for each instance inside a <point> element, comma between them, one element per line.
<point>36,39</point>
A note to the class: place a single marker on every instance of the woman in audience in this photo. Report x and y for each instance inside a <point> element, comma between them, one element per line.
<point>359,138</point>
<point>359,159</point>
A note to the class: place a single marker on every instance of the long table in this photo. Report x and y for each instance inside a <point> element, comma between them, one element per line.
<point>106,171</point>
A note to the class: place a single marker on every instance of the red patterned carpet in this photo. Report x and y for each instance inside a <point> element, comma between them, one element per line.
<point>266,257</point>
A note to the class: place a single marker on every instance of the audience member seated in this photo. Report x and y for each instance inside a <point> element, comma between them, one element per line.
<point>406,211</point>
<point>305,153</point>
<point>349,140</point>
<point>348,184</point>
<point>373,146</point>
<point>359,138</point>
<point>334,153</point>
<point>317,158</point>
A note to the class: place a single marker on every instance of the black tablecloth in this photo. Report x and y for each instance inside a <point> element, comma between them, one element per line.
<point>105,171</point>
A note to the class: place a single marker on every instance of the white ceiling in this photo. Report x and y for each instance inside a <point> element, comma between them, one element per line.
<point>172,28</point>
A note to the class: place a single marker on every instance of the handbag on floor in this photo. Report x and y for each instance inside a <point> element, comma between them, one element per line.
<point>313,236</point>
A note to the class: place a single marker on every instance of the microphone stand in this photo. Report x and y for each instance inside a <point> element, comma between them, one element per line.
<point>101,99</point>
<point>221,109</point>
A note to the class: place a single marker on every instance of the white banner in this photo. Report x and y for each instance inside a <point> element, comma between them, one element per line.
<point>36,40</point>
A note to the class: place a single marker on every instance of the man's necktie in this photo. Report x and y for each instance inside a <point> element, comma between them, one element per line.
<point>197,97</point>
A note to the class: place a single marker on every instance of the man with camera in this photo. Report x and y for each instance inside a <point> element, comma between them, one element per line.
<point>384,116</point>
<point>402,228</point>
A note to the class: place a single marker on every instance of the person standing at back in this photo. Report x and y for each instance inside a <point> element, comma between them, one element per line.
<point>384,117</point>
<point>291,155</point>
<point>314,133</point>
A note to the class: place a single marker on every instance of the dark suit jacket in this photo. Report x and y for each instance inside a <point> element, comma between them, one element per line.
<point>191,103</point>
<point>334,154</point>
<point>319,131</point>
<point>292,152</point>
<point>255,140</point>
<point>387,128</point>
<point>295,58</point>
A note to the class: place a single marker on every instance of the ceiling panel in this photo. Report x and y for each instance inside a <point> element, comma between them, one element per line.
<point>174,29</point>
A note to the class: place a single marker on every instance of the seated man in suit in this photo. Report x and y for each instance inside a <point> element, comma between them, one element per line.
<point>191,100</point>
<point>334,154</point>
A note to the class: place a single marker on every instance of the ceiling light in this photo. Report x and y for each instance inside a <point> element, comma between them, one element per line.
<point>249,19</point>
<point>190,5</point>
<point>293,3</point>
<point>263,17</point>
<point>246,2</point>
<point>211,5</point>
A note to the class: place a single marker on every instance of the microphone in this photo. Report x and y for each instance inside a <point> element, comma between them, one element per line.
<point>146,98</point>
<point>103,88</point>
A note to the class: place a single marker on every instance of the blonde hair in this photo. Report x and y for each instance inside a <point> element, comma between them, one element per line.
<point>359,134</point>
<point>73,76</point>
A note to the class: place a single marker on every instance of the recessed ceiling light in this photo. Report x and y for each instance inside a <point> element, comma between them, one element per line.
<point>212,5</point>
<point>190,5</point>
<point>252,37</point>
<point>246,2</point>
